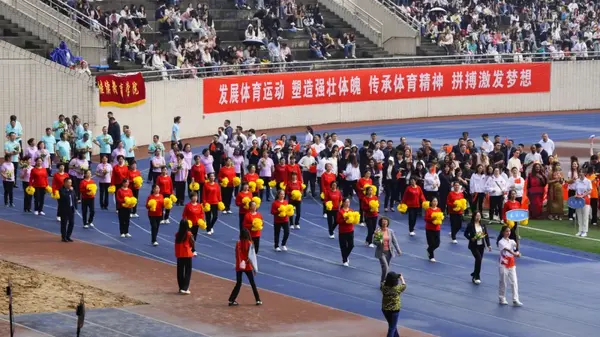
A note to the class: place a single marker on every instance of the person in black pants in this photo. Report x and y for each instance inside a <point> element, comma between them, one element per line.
<point>390,183</point>
<point>184,244</point>
<point>155,216</point>
<point>477,234</point>
<point>334,193</point>
<point>346,232</point>
<point>27,199</point>
<point>245,263</point>
<point>8,181</point>
<point>280,222</point>
<point>87,202</point>
<point>432,231</point>
<point>67,204</point>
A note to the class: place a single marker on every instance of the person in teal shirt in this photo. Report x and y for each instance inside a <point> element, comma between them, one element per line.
<point>78,128</point>
<point>104,141</point>
<point>156,145</point>
<point>15,126</point>
<point>84,146</point>
<point>175,138</point>
<point>86,130</point>
<point>50,143</point>
<point>129,144</point>
<point>63,150</point>
<point>59,127</point>
<point>13,148</point>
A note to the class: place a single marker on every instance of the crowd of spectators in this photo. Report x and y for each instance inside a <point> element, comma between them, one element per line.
<point>559,29</point>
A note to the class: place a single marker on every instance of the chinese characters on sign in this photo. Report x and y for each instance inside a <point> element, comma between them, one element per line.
<point>337,86</point>
<point>123,91</point>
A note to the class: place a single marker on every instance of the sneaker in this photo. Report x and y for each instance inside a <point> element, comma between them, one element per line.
<point>503,301</point>
<point>584,234</point>
<point>91,224</point>
<point>297,226</point>
<point>362,224</point>
<point>411,233</point>
<point>392,209</point>
<point>224,212</point>
<point>86,226</point>
<point>346,264</point>
<point>209,233</point>
<point>135,215</point>
<point>277,249</point>
<point>42,213</point>
<point>385,210</point>
<point>371,246</point>
<point>230,212</point>
<point>38,213</point>
<point>181,291</point>
<point>187,292</point>
<point>57,218</point>
<point>131,215</point>
<point>128,235</point>
<point>578,233</point>
<point>284,248</point>
<point>233,304</point>
<point>332,236</point>
<point>155,243</point>
<point>517,303</point>
<point>454,242</point>
<point>212,231</point>
<point>162,222</point>
<point>167,221</point>
<point>195,253</point>
<point>325,216</point>
<point>432,260</point>
<point>477,281</point>
<point>258,302</point>
<point>571,219</point>
<point>122,235</point>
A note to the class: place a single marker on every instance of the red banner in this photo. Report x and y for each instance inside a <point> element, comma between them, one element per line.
<point>121,90</point>
<point>222,94</point>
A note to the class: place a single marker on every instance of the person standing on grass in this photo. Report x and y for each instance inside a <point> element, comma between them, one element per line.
<point>155,215</point>
<point>387,246</point>
<point>67,204</point>
<point>583,188</point>
<point>455,216</point>
<point>87,200</point>
<point>432,231</point>
<point>507,268</point>
<point>280,222</point>
<point>392,289</point>
<point>193,211</point>
<point>245,263</point>
<point>184,245</point>
<point>124,211</point>
<point>477,234</point>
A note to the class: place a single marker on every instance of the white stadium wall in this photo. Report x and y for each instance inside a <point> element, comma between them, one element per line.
<point>573,86</point>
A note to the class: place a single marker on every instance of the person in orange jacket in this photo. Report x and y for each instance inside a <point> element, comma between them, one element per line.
<point>193,211</point>
<point>511,204</point>
<point>280,222</point>
<point>227,171</point>
<point>360,192</point>
<point>370,216</point>
<point>455,216</point>
<point>184,244</point>
<point>345,232</point>
<point>243,193</point>
<point>432,231</point>
<point>211,194</point>
<point>413,197</point>
<point>245,263</point>
<point>87,201</point>
<point>248,224</point>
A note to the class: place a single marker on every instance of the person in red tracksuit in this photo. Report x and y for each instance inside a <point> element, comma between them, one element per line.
<point>38,179</point>
<point>244,265</point>
<point>294,185</point>
<point>87,201</point>
<point>243,193</point>
<point>292,168</point>
<point>134,172</point>
<point>360,191</point>
<point>251,176</point>
<point>280,173</point>
<point>280,222</point>
<point>164,182</point>
<point>509,205</point>
<point>155,216</point>
<point>120,172</point>
<point>211,194</point>
<point>227,171</point>
<point>58,180</point>
<point>413,197</point>
<point>370,217</point>
<point>124,212</point>
<point>455,216</point>
<point>334,195</point>
<point>193,211</point>
<point>346,232</point>
<point>432,231</point>
<point>198,174</point>
<point>325,183</point>
<point>248,219</point>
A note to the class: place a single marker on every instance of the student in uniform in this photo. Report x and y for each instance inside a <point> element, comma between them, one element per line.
<point>432,231</point>
<point>155,216</point>
<point>507,268</point>
<point>245,263</point>
<point>193,211</point>
<point>280,222</point>
<point>248,224</point>
<point>184,244</point>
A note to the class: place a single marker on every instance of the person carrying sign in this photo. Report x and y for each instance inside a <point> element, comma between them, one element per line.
<point>507,268</point>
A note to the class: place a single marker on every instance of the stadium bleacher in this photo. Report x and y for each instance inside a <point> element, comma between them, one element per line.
<point>18,36</point>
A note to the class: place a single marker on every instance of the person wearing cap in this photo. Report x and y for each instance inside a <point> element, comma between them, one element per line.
<point>486,145</point>
<point>391,302</point>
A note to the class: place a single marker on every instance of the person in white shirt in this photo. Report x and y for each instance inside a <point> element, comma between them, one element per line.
<point>496,186</point>
<point>517,183</point>
<point>308,164</point>
<point>477,189</point>
<point>352,174</point>
<point>431,184</point>
<point>308,137</point>
<point>582,187</point>
<point>515,162</point>
<point>318,146</point>
<point>547,144</point>
<point>507,268</point>
<point>486,145</point>
<point>336,141</point>
<point>222,136</point>
<point>530,159</point>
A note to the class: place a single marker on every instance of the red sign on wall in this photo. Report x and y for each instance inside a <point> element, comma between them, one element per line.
<point>222,94</point>
<point>121,90</point>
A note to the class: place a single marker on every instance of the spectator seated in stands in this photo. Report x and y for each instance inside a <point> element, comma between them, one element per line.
<point>242,4</point>
<point>316,48</point>
<point>347,42</point>
<point>62,55</point>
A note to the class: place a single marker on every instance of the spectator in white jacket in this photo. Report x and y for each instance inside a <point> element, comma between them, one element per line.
<point>431,184</point>
<point>308,164</point>
<point>496,186</point>
<point>517,183</point>
<point>477,189</point>
<point>515,162</point>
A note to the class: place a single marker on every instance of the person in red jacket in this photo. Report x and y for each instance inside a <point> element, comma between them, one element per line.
<point>123,211</point>
<point>248,221</point>
<point>134,172</point>
<point>280,222</point>
<point>120,172</point>
<point>87,200</point>
<point>370,216</point>
<point>227,171</point>
<point>184,244</point>
<point>334,195</point>
<point>155,216</point>
<point>509,205</point>
<point>198,174</point>
<point>243,193</point>
<point>294,185</point>
<point>245,263</point>
<point>346,232</point>
<point>413,197</point>
<point>58,181</point>
<point>291,168</point>
<point>251,176</point>
<point>325,183</point>
<point>280,173</point>
<point>193,211</point>
<point>360,192</point>
<point>432,231</point>
<point>455,216</point>
<point>165,185</point>
<point>38,179</point>
<point>211,194</point>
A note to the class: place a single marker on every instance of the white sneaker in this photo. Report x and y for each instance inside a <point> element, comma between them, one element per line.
<point>584,234</point>
<point>362,224</point>
<point>411,233</point>
<point>277,249</point>
<point>209,233</point>
<point>477,281</point>
<point>346,264</point>
<point>122,235</point>
<point>42,213</point>
<point>212,231</point>
<point>195,254</point>
<point>332,237</point>
<point>91,224</point>
<point>371,246</point>
<point>503,301</point>
<point>162,222</point>
<point>135,215</point>
<point>224,212</point>
<point>167,221</point>
<point>131,215</point>
<point>86,226</point>
<point>297,226</point>
<point>230,212</point>
<point>454,242</point>
<point>186,292</point>
<point>571,219</point>
<point>517,303</point>
<point>579,233</point>
<point>284,248</point>
<point>432,260</point>
<point>155,243</point>
<point>128,235</point>
<point>325,216</point>
<point>57,218</point>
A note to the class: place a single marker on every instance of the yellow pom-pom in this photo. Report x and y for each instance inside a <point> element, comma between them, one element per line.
<point>289,210</point>
<point>272,184</point>
<point>221,206</point>
<point>167,203</point>
<point>246,202</point>
<point>206,207</point>
<point>194,186</point>
<point>437,222</point>
<point>425,205</point>
<point>151,205</point>
<point>402,208</point>
<point>190,223</point>
<point>236,181</point>
<point>173,198</point>
<point>354,218</point>
<point>55,195</point>
<point>224,182</point>
<point>365,188</point>
<point>132,202</point>
<point>260,184</point>
<point>303,187</point>
<point>112,189</point>
<point>257,225</point>
<point>92,189</point>
<point>374,190</point>
<point>374,206</point>
<point>252,186</point>
<point>329,205</point>
<point>524,222</point>
<point>201,224</point>
<point>257,201</point>
<point>510,224</point>
<point>48,189</point>
<point>296,195</point>
<point>282,186</point>
<point>30,190</point>
<point>437,218</point>
<point>322,196</point>
<point>138,181</point>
